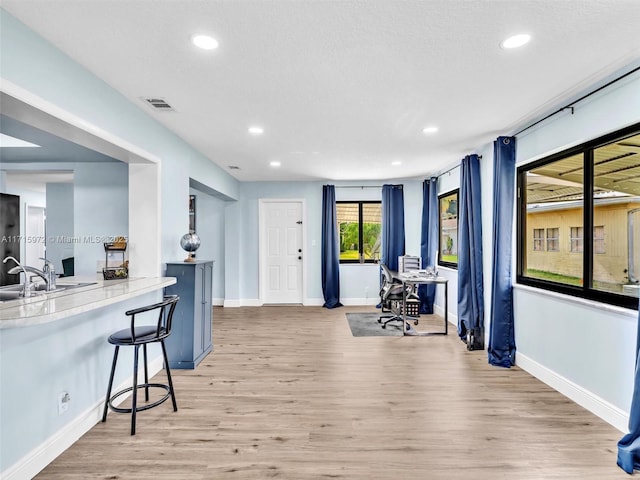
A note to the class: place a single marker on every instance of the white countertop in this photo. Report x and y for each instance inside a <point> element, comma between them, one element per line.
<point>65,303</point>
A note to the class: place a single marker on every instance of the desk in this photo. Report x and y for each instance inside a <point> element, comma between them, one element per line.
<point>415,278</point>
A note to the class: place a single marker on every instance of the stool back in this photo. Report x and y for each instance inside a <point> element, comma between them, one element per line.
<point>165,317</point>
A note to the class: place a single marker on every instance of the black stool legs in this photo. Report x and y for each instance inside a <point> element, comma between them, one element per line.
<point>134,389</point>
<point>166,362</point>
<point>113,370</point>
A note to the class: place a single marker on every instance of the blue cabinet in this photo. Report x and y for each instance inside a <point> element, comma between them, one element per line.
<point>191,336</point>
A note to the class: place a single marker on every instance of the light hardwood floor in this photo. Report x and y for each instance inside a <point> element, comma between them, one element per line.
<point>289,393</point>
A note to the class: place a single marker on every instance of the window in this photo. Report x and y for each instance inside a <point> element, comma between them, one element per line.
<point>579,192</point>
<point>576,239</point>
<point>359,226</point>
<point>553,239</point>
<point>448,237</point>
<point>598,239</point>
<point>538,239</point>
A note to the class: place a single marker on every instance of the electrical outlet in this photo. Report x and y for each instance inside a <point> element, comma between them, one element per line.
<point>63,402</point>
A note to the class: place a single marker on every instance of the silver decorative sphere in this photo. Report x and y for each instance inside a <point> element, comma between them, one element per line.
<point>190,242</point>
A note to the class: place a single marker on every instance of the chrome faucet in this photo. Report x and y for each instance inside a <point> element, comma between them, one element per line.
<point>50,271</point>
<point>28,286</point>
<point>47,273</point>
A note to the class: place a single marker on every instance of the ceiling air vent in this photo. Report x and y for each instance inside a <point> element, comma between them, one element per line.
<point>159,104</point>
<point>233,167</point>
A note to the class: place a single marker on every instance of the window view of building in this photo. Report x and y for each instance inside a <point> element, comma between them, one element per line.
<point>538,239</point>
<point>595,188</point>
<point>553,240</point>
<point>448,229</point>
<point>360,227</point>
<point>577,239</point>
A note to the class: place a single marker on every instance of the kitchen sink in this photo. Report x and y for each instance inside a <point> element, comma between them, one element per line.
<point>10,294</point>
<point>14,292</point>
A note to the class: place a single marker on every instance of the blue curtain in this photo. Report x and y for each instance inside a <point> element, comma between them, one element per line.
<point>429,240</point>
<point>629,445</point>
<point>392,225</point>
<point>502,343</point>
<point>470,282</point>
<point>330,255</point>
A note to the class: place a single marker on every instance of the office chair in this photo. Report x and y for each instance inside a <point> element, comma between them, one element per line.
<point>68,267</point>
<point>390,298</point>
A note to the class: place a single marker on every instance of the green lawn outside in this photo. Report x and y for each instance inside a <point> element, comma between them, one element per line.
<point>449,258</point>
<point>349,255</point>
<point>554,277</point>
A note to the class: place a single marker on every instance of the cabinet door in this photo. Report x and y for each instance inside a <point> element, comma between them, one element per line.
<point>198,346</point>
<point>180,342</point>
<point>207,313</point>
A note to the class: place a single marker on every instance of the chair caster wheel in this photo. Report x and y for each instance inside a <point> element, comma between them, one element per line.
<point>384,326</point>
<point>416,322</point>
<point>379,320</point>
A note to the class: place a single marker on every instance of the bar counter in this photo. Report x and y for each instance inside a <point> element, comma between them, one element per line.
<point>51,306</point>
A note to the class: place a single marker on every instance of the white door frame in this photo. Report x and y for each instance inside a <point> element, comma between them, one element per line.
<point>34,239</point>
<point>263,243</point>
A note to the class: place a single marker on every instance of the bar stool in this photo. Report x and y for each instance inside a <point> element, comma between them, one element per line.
<point>136,336</point>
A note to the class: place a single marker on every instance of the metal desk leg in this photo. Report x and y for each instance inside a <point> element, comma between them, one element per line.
<point>446,308</point>
<point>404,307</point>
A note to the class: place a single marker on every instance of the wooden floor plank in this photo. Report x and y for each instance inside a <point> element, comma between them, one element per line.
<point>289,393</point>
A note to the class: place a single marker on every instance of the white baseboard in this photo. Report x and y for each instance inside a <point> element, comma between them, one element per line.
<point>318,302</point>
<point>360,301</point>
<point>217,302</point>
<point>36,460</point>
<point>243,302</point>
<point>312,302</point>
<point>452,318</point>
<point>586,399</point>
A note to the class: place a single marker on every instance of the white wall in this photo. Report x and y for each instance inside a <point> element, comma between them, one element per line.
<point>101,212</point>
<point>584,349</point>
<point>59,223</point>
<point>358,283</point>
<point>210,227</point>
<point>446,183</point>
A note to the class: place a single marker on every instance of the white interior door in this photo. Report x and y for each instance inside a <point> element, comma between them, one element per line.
<point>281,252</point>
<point>34,236</point>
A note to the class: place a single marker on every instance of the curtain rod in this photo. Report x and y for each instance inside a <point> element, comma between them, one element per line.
<point>358,186</point>
<point>453,168</point>
<point>570,105</point>
<point>448,170</point>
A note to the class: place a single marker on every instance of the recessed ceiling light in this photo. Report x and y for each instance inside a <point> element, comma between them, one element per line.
<point>396,163</point>
<point>8,141</point>
<point>516,41</point>
<point>256,130</point>
<point>274,164</point>
<point>429,129</point>
<point>205,42</point>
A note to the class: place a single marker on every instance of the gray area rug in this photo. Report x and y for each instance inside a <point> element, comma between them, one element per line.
<point>366,325</point>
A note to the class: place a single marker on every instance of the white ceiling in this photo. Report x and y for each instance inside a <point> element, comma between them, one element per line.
<point>343,88</point>
<point>37,181</point>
